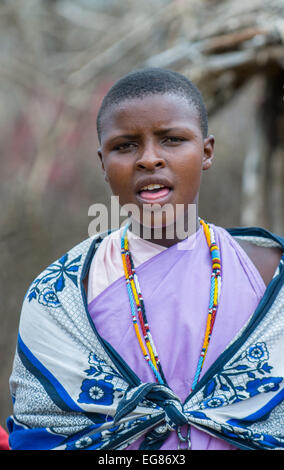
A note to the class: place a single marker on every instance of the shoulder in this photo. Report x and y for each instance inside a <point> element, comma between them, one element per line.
<point>266,259</point>
<point>66,270</point>
<point>264,248</point>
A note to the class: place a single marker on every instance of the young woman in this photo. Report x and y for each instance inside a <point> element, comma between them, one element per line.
<point>153,342</point>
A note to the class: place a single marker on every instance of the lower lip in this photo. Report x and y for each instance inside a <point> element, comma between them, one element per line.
<point>158,196</point>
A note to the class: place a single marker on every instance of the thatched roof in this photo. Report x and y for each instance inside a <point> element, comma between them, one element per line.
<point>219,44</point>
<point>224,43</point>
<point>68,47</point>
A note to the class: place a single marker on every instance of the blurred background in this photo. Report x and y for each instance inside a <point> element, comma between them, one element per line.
<point>57,60</point>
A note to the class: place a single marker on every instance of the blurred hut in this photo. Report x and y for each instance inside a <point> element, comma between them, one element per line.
<point>58,58</point>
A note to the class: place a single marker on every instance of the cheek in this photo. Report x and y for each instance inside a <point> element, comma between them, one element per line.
<point>119,179</point>
<point>116,173</point>
<point>189,173</point>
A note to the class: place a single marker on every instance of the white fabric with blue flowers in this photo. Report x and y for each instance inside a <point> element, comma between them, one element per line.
<point>73,391</point>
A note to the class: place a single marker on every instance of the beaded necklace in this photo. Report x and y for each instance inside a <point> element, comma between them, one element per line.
<point>138,308</point>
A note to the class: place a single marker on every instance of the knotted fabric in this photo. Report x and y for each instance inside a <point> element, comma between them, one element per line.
<point>172,412</point>
<point>72,389</point>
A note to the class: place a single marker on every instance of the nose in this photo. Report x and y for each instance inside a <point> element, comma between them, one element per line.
<point>150,160</point>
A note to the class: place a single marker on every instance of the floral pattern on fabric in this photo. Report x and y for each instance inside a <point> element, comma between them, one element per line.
<point>44,288</point>
<point>237,380</point>
<point>245,376</point>
<point>84,442</point>
<point>254,371</point>
<point>98,388</point>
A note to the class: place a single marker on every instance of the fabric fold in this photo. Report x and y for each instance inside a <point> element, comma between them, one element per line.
<point>69,381</point>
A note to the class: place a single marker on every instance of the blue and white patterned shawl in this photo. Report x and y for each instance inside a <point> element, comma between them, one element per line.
<point>72,390</point>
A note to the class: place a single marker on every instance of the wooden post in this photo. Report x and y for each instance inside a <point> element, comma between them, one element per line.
<point>263,172</point>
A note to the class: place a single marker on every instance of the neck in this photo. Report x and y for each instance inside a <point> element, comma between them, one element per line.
<point>165,236</point>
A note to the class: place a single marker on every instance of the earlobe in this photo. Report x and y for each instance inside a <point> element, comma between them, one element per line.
<point>100,155</point>
<point>206,164</point>
<point>208,152</point>
<point>102,163</point>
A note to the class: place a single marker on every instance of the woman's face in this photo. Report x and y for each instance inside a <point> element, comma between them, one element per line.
<point>153,152</point>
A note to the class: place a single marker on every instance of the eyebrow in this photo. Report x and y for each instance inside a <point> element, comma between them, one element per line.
<point>166,130</point>
<point>172,129</point>
<point>160,131</point>
<point>120,136</point>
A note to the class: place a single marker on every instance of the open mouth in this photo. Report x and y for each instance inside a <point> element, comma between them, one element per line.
<point>154,192</point>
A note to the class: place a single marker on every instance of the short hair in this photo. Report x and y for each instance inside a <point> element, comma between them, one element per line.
<point>151,81</point>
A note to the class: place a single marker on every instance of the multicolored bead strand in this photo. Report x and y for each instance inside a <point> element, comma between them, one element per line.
<point>215,290</point>
<point>137,304</point>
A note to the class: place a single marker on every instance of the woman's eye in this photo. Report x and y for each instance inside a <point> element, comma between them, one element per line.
<point>125,147</point>
<point>173,139</point>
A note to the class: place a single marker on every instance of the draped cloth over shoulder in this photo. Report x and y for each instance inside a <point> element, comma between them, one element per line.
<point>72,390</point>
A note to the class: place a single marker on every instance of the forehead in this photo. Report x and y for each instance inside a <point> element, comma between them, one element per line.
<point>150,111</point>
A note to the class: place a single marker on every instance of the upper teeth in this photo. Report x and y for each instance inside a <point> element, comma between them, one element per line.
<point>149,187</point>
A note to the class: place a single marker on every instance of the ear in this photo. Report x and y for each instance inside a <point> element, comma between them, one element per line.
<point>102,163</point>
<point>208,154</point>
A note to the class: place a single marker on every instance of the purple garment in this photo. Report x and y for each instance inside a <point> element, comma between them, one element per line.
<point>175,285</point>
